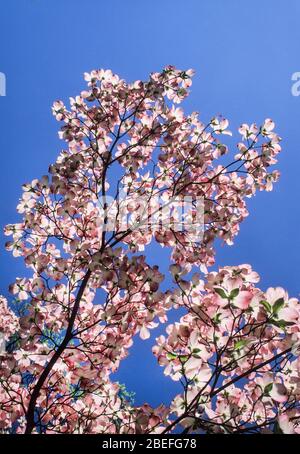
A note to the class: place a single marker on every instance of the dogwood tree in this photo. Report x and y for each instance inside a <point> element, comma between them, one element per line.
<point>131,157</point>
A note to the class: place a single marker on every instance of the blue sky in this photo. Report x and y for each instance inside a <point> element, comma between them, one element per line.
<point>244,54</point>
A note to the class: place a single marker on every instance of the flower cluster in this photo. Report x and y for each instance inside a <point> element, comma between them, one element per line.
<point>236,351</point>
<point>89,290</point>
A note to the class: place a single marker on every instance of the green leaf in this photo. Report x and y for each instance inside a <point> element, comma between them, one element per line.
<point>183,358</point>
<point>221,292</point>
<point>240,344</point>
<point>171,356</point>
<point>234,293</point>
<point>268,388</point>
<point>196,352</point>
<point>266,305</point>
<point>217,318</point>
<point>281,323</point>
<point>277,306</point>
